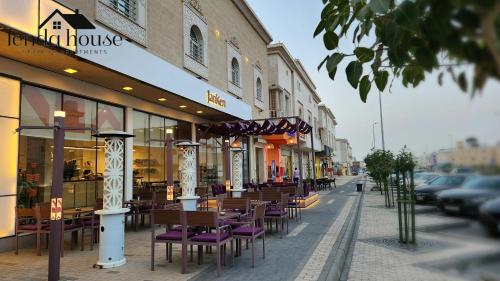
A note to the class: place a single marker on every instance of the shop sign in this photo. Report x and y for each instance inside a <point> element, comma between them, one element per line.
<point>215,99</point>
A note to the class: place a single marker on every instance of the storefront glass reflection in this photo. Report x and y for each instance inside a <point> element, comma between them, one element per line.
<point>83,154</point>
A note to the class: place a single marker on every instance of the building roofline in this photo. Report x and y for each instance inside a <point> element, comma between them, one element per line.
<point>281,50</point>
<point>328,111</point>
<point>254,21</point>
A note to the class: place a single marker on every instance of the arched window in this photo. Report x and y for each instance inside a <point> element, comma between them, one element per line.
<point>258,89</point>
<point>196,44</point>
<point>235,72</point>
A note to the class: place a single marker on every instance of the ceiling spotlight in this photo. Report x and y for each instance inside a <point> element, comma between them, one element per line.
<point>127,88</point>
<point>70,70</point>
<point>182,106</point>
<point>162,99</point>
<point>199,112</point>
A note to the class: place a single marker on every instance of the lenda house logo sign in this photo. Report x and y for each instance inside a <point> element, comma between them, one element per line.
<point>61,30</point>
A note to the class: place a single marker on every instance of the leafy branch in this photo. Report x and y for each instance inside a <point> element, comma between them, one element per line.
<point>410,37</point>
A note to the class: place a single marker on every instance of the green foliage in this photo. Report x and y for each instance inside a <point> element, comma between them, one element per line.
<point>379,164</point>
<point>404,162</point>
<point>412,38</point>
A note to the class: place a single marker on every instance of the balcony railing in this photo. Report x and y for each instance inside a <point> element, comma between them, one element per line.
<point>276,113</point>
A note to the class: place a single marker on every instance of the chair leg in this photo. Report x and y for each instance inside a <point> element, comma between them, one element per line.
<point>152,255</point>
<point>83,235</point>
<point>184,258</point>
<point>17,243</point>
<point>200,254</point>
<point>218,260</point>
<point>232,253</point>
<point>264,245</point>
<point>253,252</point>
<point>38,244</point>
<point>191,253</point>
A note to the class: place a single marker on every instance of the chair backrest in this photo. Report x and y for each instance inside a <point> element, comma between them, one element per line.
<point>42,211</point>
<point>251,195</point>
<point>292,190</point>
<point>145,195</point>
<point>259,212</point>
<point>284,200</point>
<point>165,217</point>
<point>159,199</point>
<point>271,195</point>
<point>240,204</point>
<point>25,213</point>
<point>201,218</point>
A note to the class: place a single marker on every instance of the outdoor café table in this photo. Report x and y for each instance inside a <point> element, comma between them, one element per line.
<point>77,212</point>
<point>222,216</point>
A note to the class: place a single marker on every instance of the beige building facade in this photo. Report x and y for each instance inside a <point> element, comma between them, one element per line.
<point>145,67</point>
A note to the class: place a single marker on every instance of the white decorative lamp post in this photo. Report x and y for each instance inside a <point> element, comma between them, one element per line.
<point>237,171</point>
<point>112,228</point>
<point>187,175</point>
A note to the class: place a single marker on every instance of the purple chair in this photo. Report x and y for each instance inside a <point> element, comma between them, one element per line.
<point>169,218</point>
<point>277,210</point>
<point>222,235</point>
<point>252,230</point>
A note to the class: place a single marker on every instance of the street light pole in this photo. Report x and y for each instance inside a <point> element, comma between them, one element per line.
<point>381,120</point>
<point>373,126</point>
<point>56,198</point>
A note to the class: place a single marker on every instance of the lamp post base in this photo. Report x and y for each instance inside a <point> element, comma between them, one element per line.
<point>112,238</point>
<point>189,203</point>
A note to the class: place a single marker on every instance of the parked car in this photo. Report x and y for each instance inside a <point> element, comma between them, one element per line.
<point>424,178</point>
<point>467,199</point>
<point>427,192</point>
<point>489,214</point>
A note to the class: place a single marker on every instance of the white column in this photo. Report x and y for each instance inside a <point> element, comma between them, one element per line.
<point>187,175</point>
<point>237,172</point>
<point>112,229</point>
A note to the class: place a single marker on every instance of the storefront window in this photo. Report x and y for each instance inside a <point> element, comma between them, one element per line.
<point>83,153</point>
<point>149,161</point>
<point>35,146</point>
<point>211,162</point>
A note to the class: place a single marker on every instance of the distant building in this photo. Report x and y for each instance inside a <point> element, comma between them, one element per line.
<point>344,156</point>
<point>466,154</point>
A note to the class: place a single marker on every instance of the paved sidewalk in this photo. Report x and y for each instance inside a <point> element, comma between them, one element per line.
<point>306,249</point>
<point>378,255</point>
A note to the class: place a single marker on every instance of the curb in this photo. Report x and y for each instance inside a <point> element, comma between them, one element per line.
<point>345,242</point>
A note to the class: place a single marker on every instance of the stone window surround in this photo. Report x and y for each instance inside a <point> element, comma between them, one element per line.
<point>193,16</point>
<point>234,53</point>
<point>257,73</point>
<point>135,30</point>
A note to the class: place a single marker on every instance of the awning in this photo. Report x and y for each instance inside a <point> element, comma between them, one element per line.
<point>271,126</point>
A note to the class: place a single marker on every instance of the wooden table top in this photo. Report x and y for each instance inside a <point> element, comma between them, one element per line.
<point>77,211</point>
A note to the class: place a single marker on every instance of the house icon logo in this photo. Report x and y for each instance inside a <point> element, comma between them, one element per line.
<point>62,30</point>
<point>57,20</point>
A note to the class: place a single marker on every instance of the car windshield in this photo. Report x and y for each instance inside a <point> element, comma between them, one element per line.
<point>487,183</point>
<point>448,180</point>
